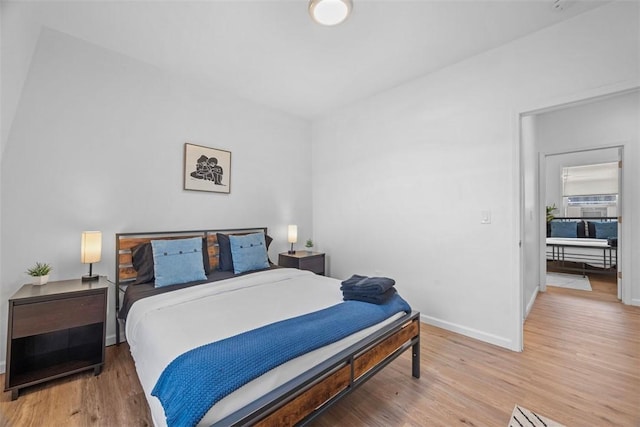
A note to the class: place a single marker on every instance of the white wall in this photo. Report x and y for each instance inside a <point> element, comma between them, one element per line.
<point>97,143</point>
<point>400,179</point>
<point>17,40</point>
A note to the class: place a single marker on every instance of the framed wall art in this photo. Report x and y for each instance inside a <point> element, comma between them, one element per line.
<point>207,169</point>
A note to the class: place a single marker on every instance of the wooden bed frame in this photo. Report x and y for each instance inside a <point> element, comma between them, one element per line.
<point>305,397</point>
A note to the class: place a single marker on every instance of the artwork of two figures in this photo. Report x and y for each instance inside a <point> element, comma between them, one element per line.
<point>206,169</point>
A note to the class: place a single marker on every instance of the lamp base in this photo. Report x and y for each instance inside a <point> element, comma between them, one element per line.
<point>291,252</point>
<point>90,278</point>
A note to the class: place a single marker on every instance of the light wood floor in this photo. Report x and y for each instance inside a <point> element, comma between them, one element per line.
<point>581,367</point>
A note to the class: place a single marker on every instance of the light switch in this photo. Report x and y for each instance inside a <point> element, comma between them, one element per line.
<point>485,217</point>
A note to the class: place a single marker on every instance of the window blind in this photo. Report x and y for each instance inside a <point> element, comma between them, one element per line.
<point>588,180</point>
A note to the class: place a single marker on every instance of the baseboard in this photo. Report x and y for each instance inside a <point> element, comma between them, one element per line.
<point>3,365</point>
<point>534,295</point>
<point>635,301</point>
<point>110,340</point>
<point>469,332</point>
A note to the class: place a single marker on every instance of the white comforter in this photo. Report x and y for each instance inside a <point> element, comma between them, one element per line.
<point>162,327</point>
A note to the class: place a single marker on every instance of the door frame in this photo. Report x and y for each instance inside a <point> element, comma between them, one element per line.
<point>542,181</point>
<point>518,199</point>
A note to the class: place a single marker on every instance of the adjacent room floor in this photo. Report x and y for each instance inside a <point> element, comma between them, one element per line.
<point>580,367</point>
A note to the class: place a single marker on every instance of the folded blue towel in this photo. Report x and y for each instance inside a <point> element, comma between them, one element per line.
<point>356,278</point>
<point>367,284</point>
<point>375,298</point>
<point>371,292</point>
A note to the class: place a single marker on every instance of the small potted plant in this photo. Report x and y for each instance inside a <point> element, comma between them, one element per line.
<point>550,216</point>
<point>309,244</point>
<point>40,273</point>
<point>550,210</point>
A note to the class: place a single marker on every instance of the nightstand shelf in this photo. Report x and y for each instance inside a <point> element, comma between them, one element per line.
<point>303,260</point>
<point>55,330</point>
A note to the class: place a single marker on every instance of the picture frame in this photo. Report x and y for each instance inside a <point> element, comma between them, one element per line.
<point>207,169</point>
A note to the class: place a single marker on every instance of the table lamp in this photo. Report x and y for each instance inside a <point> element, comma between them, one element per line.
<point>90,251</point>
<point>292,237</point>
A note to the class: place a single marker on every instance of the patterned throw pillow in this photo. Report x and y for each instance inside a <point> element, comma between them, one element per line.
<point>142,260</point>
<point>564,229</point>
<point>249,252</point>
<point>606,230</point>
<point>177,261</point>
<point>225,260</point>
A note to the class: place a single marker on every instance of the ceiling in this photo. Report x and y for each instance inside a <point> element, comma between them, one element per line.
<point>272,53</point>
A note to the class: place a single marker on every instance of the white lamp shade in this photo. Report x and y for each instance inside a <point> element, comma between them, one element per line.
<point>91,247</point>
<point>292,234</point>
<point>330,12</point>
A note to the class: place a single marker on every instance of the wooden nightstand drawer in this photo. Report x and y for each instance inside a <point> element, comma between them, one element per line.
<point>49,316</point>
<point>303,260</point>
<point>315,264</point>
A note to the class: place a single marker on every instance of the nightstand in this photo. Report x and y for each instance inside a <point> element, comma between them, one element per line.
<point>303,260</point>
<point>55,330</point>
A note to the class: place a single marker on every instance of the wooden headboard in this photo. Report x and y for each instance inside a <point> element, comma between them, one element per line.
<point>125,242</point>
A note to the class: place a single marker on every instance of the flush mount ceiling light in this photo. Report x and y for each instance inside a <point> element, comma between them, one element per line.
<point>330,12</point>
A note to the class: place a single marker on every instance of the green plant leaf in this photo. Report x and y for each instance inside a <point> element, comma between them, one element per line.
<point>39,269</point>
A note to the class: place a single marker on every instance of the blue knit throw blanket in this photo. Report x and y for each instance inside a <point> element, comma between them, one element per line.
<point>194,381</point>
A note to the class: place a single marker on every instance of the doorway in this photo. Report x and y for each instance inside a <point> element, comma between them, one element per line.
<point>581,187</point>
<point>605,122</point>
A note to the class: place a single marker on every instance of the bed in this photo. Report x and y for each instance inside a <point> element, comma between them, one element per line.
<point>584,245</point>
<point>162,324</point>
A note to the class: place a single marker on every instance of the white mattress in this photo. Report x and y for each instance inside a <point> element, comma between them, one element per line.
<point>162,327</point>
<point>569,241</point>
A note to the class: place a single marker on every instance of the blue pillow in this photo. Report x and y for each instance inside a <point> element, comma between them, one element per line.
<point>249,252</point>
<point>606,230</point>
<point>177,261</point>
<point>225,261</point>
<point>564,229</point>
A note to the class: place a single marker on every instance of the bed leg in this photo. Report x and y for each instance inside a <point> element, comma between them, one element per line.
<point>415,360</point>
